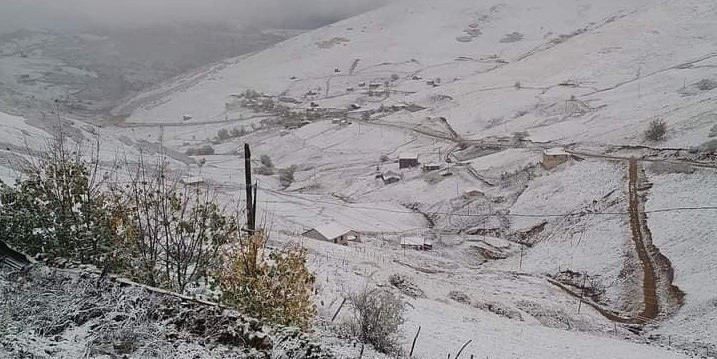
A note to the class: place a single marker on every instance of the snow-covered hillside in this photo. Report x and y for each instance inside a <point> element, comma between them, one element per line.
<point>479,90</point>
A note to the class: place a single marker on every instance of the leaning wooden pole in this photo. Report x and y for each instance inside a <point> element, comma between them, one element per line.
<point>250,218</point>
<point>463,347</point>
<point>413,346</point>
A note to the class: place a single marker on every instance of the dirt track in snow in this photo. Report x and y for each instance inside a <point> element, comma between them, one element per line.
<point>660,296</point>
<point>637,224</point>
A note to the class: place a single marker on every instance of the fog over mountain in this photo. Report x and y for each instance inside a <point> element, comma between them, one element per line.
<point>117,48</point>
<point>74,14</point>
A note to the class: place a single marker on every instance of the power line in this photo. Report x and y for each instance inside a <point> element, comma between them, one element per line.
<point>483,215</point>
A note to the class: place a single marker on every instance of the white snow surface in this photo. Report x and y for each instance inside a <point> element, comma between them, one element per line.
<point>576,74</point>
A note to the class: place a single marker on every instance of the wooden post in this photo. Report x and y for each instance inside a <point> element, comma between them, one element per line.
<point>250,204</point>
<point>414,342</point>
<point>338,310</point>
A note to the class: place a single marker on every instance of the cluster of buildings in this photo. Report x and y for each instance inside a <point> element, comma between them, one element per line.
<point>339,234</point>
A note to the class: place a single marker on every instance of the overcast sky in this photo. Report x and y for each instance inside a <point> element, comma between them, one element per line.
<point>15,14</point>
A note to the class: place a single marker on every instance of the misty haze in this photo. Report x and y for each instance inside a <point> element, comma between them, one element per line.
<point>358,179</point>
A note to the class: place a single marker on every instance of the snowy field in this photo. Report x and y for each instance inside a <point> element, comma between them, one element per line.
<point>453,82</point>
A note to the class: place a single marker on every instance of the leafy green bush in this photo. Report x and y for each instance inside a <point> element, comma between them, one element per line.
<point>60,210</point>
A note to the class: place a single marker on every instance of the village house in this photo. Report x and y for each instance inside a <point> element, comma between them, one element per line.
<point>417,243</point>
<point>287,99</point>
<point>553,157</point>
<point>390,177</point>
<point>10,259</point>
<point>407,160</point>
<point>334,233</point>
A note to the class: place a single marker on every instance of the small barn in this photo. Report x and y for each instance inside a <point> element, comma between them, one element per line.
<point>417,243</point>
<point>193,181</point>
<point>553,157</point>
<point>428,167</point>
<point>408,160</point>
<point>334,233</point>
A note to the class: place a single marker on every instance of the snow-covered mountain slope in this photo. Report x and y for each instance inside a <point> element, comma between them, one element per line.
<point>479,89</point>
<point>642,58</point>
<point>455,81</point>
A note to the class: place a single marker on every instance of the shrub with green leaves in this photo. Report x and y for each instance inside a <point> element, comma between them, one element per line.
<point>60,210</point>
<point>276,287</point>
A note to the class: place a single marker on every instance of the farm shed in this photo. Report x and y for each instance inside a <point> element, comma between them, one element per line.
<point>333,232</point>
<point>553,157</point>
<point>417,243</point>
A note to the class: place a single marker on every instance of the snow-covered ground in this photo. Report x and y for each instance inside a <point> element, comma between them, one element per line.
<point>453,81</point>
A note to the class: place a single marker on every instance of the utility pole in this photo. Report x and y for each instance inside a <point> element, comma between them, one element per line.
<point>582,292</point>
<point>250,202</point>
<point>638,82</point>
<point>520,264</point>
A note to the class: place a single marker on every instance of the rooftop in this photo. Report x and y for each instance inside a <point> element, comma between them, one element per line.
<point>332,230</point>
<point>556,151</point>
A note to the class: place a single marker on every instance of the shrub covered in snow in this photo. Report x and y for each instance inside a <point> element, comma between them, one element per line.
<point>48,313</point>
<point>405,285</point>
<point>266,161</point>
<point>206,150</point>
<point>656,130</point>
<point>377,315</point>
<point>286,176</point>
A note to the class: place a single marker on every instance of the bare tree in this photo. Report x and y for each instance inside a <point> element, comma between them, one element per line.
<point>175,231</point>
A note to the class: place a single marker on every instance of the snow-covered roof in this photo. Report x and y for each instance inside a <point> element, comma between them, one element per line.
<point>415,241</point>
<point>193,180</point>
<point>408,156</point>
<point>11,259</point>
<point>332,230</point>
<point>556,151</point>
